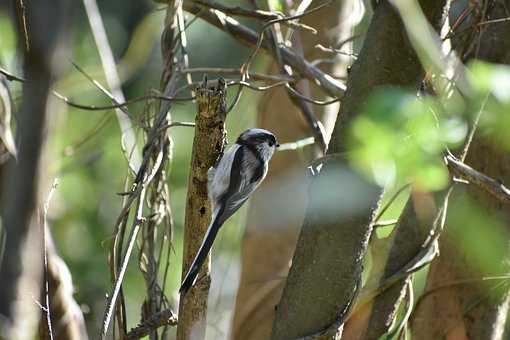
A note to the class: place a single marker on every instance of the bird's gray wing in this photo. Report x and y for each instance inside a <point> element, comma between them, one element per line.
<point>241,185</point>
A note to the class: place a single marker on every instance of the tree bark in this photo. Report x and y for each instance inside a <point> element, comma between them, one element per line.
<point>327,264</point>
<point>475,309</point>
<point>271,233</point>
<point>208,146</point>
<point>40,24</point>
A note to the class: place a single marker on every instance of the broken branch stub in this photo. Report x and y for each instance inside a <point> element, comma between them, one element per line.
<point>208,145</point>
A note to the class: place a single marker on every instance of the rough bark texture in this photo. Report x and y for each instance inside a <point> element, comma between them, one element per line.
<point>271,233</point>
<point>208,145</point>
<point>474,310</point>
<point>42,20</point>
<point>410,234</point>
<point>327,264</point>
<point>374,319</point>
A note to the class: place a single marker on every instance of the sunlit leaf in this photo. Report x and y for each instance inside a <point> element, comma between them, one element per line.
<point>401,136</point>
<point>492,85</point>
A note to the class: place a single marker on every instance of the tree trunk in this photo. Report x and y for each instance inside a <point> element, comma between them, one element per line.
<point>207,148</point>
<point>271,233</point>
<point>474,309</point>
<point>327,264</point>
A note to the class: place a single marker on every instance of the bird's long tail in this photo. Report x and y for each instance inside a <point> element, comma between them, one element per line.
<point>203,251</point>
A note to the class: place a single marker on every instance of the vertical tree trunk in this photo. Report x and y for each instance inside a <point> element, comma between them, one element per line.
<point>207,147</point>
<point>327,264</point>
<point>474,310</point>
<point>271,233</point>
<point>39,30</point>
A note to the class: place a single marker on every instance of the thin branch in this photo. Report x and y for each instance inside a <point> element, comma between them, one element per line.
<point>237,71</point>
<point>120,105</point>
<point>128,140</point>
<point>246,66</point>
<point>112,299</point>
<point>184,44</point>
<point>45,259</point>
<point>484,182</point>
<point>256,14</point>
<point>453,284</point>
<point>247,36</point>
<point>310,100</point>
<point>299,144</point>
<point>495,21</point>
<point>295,97</point>
<point>336,51</point>
<point>390,202</point>
<point>11,76</point>
<point>172,124</point>
<point>385,223</point>
<point>163,318</point>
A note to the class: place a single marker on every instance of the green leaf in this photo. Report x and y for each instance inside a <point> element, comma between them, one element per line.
<point>400,136</point>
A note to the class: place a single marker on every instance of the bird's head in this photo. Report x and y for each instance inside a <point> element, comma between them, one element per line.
<point>261,139</point>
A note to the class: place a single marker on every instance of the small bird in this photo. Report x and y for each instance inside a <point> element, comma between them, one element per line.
<point>230,183</point>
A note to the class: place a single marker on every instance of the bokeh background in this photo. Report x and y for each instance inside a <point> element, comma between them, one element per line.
<point>89,164</point>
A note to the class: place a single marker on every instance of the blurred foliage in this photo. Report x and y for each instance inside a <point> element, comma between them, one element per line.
<point>491,84</point>
<point>403,136</point>
<point>85,145</point>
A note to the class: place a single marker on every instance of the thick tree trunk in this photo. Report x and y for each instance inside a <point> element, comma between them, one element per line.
<point>475,309</point>
<point>271,233</point>
<point>327,264</point>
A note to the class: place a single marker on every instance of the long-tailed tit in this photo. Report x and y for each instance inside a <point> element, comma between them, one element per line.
<point>230,183</point>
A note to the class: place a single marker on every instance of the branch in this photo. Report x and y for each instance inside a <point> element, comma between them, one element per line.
<point>247,36</point>
<point>484,182</point>
<point>256,14</point>
<point>163,318</point>
<point>328,259</point>
<point>10,76</point>
<point>208,145</point>
<point>237,71</point>
<point>128,141</point>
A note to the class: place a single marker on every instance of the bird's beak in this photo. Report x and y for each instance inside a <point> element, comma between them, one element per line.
<point>277,146</point>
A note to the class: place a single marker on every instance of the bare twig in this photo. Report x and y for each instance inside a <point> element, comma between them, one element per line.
<point>390,201</point>
<point>184,45</point>
<point>246,66</point>
<point>112,299</point>
<point>484,182</point>
<point>163,318</point>
<point>128,141</point>
<point>336,51</point>
<point>297,144</point>
<point>310,100</point>
<point>295,97</point>
<point>385,223</point>
<point>248,36</point>
<point>237,71</point>
<point>44,228</point>
<point>10,76</point>
<point>256,14</point>
<point>119,105</point>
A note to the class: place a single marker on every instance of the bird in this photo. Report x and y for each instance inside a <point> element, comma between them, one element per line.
<point>230,182</point>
